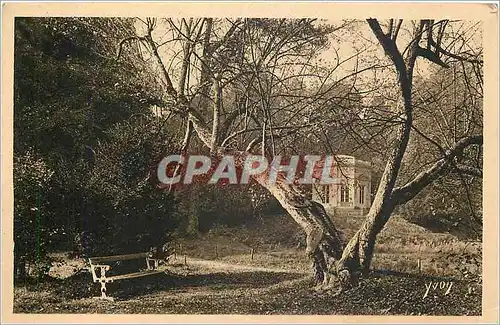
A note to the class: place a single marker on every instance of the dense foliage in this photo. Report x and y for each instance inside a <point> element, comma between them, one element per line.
<point>73,112</point>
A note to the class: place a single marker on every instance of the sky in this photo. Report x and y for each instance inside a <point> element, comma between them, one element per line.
<point>355,44</point>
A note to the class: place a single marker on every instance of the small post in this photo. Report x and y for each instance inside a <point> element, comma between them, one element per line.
<point>419,265</point>
<point>185,260</point>
<point>251,253</point>
<point>216,252</point>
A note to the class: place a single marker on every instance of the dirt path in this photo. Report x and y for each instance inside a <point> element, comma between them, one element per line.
<point>222,279</point>
<point>213,265</point>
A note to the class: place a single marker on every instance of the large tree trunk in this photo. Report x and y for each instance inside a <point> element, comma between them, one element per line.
<point>323,242</point>
<point>358,253</point>
<point>357,256</point>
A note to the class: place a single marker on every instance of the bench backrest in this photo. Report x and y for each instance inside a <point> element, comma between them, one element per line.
<point>97,260</point>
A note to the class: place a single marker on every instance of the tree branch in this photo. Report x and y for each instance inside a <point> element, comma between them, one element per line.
<point>470,170</point>
<point>403,194</point>
<point>186,59</point>
<point>396,30</point>
<point>183,149</point>
<point>216,114</point>
<point>439,49</point>
<point>122,43</point>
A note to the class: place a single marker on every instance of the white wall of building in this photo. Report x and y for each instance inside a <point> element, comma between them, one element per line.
<point>355,180</point>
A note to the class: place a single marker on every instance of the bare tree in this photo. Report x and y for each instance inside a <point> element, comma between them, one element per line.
<point>358,253</point>
<point>245,83</point>
<point>252,73</point>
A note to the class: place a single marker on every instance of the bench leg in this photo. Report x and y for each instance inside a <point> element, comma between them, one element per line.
<point>103,292</point>
<point>152,266</point>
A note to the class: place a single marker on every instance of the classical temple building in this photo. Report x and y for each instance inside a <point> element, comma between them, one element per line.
<point>351,194</point>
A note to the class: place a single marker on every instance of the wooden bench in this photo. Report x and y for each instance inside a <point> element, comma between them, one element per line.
<point>102,265</point>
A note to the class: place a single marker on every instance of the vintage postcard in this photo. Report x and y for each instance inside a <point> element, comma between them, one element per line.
<point>238,162</point>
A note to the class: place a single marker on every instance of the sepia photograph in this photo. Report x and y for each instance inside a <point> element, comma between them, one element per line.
<point>166,163</point>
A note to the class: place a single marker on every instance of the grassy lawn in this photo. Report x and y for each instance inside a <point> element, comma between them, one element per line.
<point>280,243</point>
